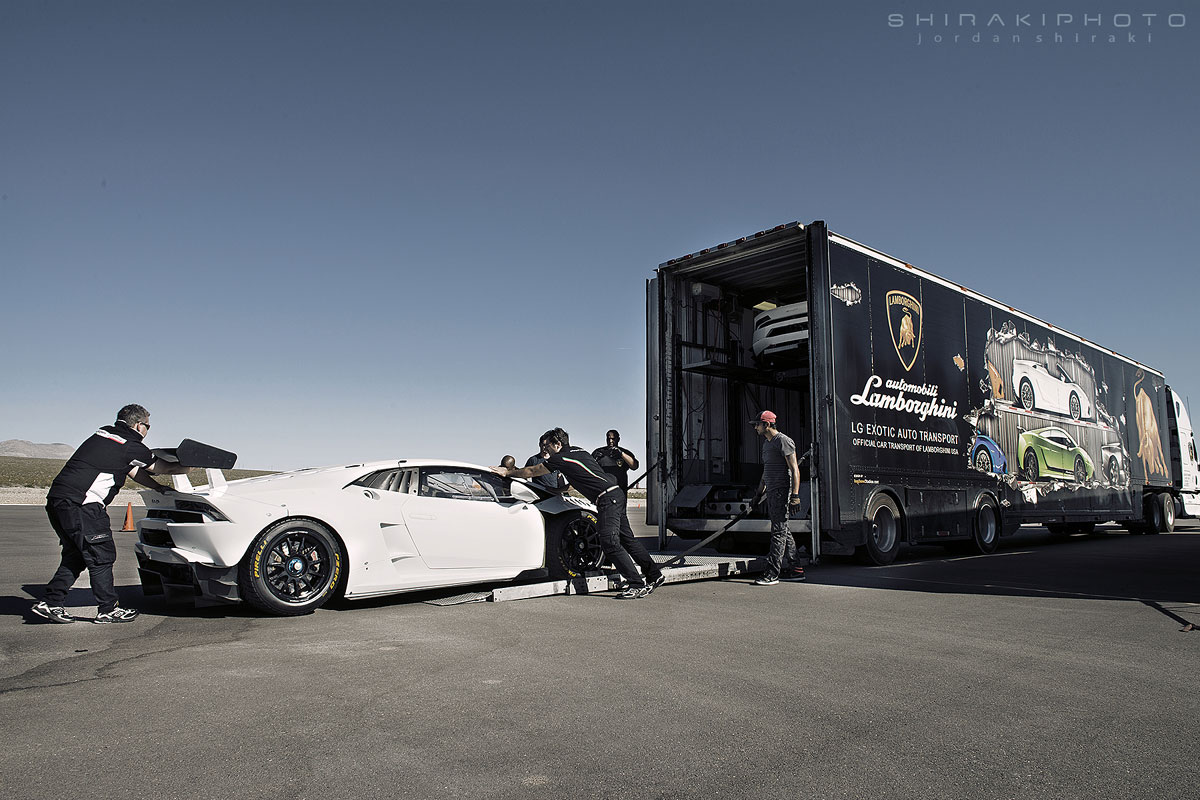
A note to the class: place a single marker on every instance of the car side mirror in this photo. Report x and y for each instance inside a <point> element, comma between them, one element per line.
<point>523,493</point>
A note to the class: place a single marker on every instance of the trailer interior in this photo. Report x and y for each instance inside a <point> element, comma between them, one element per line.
<point>729,338</point>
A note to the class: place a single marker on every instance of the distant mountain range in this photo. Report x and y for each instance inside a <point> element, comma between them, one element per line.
<point>23,449</point>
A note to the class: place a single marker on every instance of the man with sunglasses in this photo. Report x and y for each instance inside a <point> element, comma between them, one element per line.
<point>77,505</point>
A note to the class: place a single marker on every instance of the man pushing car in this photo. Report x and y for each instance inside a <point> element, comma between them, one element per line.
<point>616,536</point>
<point>77,505</point>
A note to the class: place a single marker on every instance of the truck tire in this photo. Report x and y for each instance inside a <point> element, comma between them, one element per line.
<point>1166,516</point>
<point>1026,395</point>
<point>293,568</point>
<point>883,531</point>
<point>986,528</point>
<point>573,545</point>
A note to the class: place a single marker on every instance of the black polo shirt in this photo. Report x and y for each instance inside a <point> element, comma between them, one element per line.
<point>97,470</point>
<point>582,471</point>
<point>613,465</point>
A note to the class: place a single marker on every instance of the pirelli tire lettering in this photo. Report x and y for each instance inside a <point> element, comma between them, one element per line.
<point>294,567</point>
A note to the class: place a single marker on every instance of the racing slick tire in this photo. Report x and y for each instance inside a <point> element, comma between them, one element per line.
<point>573,545</point>
<point>293,568</point>
<point>883,531</point>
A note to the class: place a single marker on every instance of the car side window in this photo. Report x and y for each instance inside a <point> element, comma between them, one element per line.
<point>389,480</point>
<point>376,480</point>
<point>456,484</point>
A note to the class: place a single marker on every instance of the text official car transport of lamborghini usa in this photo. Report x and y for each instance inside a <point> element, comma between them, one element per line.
<point>288,542</point>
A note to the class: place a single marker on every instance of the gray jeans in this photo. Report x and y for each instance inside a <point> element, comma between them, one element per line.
<point>783,547</point>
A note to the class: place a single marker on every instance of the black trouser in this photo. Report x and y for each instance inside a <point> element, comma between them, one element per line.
<point>616,537</point>
<point>782,555</point>
<point>87,542</point>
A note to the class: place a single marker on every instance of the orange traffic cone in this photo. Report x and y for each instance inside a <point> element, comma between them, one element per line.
<point>128,518</point>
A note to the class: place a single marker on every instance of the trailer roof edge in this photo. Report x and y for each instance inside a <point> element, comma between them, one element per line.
<point>871,251</point>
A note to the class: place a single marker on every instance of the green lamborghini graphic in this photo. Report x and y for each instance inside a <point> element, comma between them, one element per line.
<point>1051,453</point>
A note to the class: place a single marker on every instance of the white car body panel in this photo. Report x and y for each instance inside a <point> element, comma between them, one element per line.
<point>395,541</point>
<point>782,328</point>
<point>1051,392</point>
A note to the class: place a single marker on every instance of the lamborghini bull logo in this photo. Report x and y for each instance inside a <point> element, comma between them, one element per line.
<point>904,321</point>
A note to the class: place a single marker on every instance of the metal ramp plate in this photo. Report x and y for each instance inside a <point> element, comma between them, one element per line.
<point>459,599</point>
<point>692,568</point>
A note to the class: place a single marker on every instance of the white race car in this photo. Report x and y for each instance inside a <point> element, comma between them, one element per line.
<point>1038,387</point>
<point>287,543</point>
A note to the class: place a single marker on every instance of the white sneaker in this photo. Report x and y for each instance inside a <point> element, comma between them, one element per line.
<point>118,614</point>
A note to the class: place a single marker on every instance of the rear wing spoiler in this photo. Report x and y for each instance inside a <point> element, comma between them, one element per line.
<point>192,454</point>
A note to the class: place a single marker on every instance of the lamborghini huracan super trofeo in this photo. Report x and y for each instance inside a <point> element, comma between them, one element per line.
<point>287,543</point>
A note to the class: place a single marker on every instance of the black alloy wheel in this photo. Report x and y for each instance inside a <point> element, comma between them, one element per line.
<point>573,545</point>
<point>293,568</point>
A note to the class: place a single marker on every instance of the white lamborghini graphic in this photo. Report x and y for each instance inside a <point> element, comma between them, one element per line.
<point>1049,389</point>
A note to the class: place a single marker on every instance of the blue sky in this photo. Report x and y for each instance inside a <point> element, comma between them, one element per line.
<point>316,233</point>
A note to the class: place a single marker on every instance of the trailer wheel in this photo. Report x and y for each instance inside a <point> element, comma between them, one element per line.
<point>883,531</point>
<point>1026,394</point>
<point>573,545</point>
<point>1031,465</point>
<point>986,528</point>
<point>1166,518</point>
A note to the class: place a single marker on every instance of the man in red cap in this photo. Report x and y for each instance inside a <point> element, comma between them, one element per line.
<point>781,484</point>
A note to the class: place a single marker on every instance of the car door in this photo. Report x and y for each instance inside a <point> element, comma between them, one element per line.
<point>458,521</point>
<point>1060,451</point>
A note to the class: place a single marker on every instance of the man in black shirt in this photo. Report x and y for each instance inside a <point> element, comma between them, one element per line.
<point>616,536</point>
<point>616,460</point>
<point>77,505</point>
<point>548,481</point>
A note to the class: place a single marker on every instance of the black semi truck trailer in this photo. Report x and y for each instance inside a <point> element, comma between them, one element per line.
<point>931,413</point>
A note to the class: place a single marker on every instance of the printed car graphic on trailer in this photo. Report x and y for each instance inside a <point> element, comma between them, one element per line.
<point>1049,389</point>
<point>1051,452</point>
<point>986,455</point>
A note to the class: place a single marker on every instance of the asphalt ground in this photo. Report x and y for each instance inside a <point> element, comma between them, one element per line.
<point>1053,669</point>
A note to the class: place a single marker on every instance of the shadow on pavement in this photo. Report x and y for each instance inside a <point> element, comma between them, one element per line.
<point>1158,571</point>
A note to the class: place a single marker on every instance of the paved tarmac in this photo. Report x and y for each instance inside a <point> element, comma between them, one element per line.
<point>1049,670</point>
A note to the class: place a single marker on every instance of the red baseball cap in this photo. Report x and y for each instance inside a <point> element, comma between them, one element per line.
<point>766,416</point>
